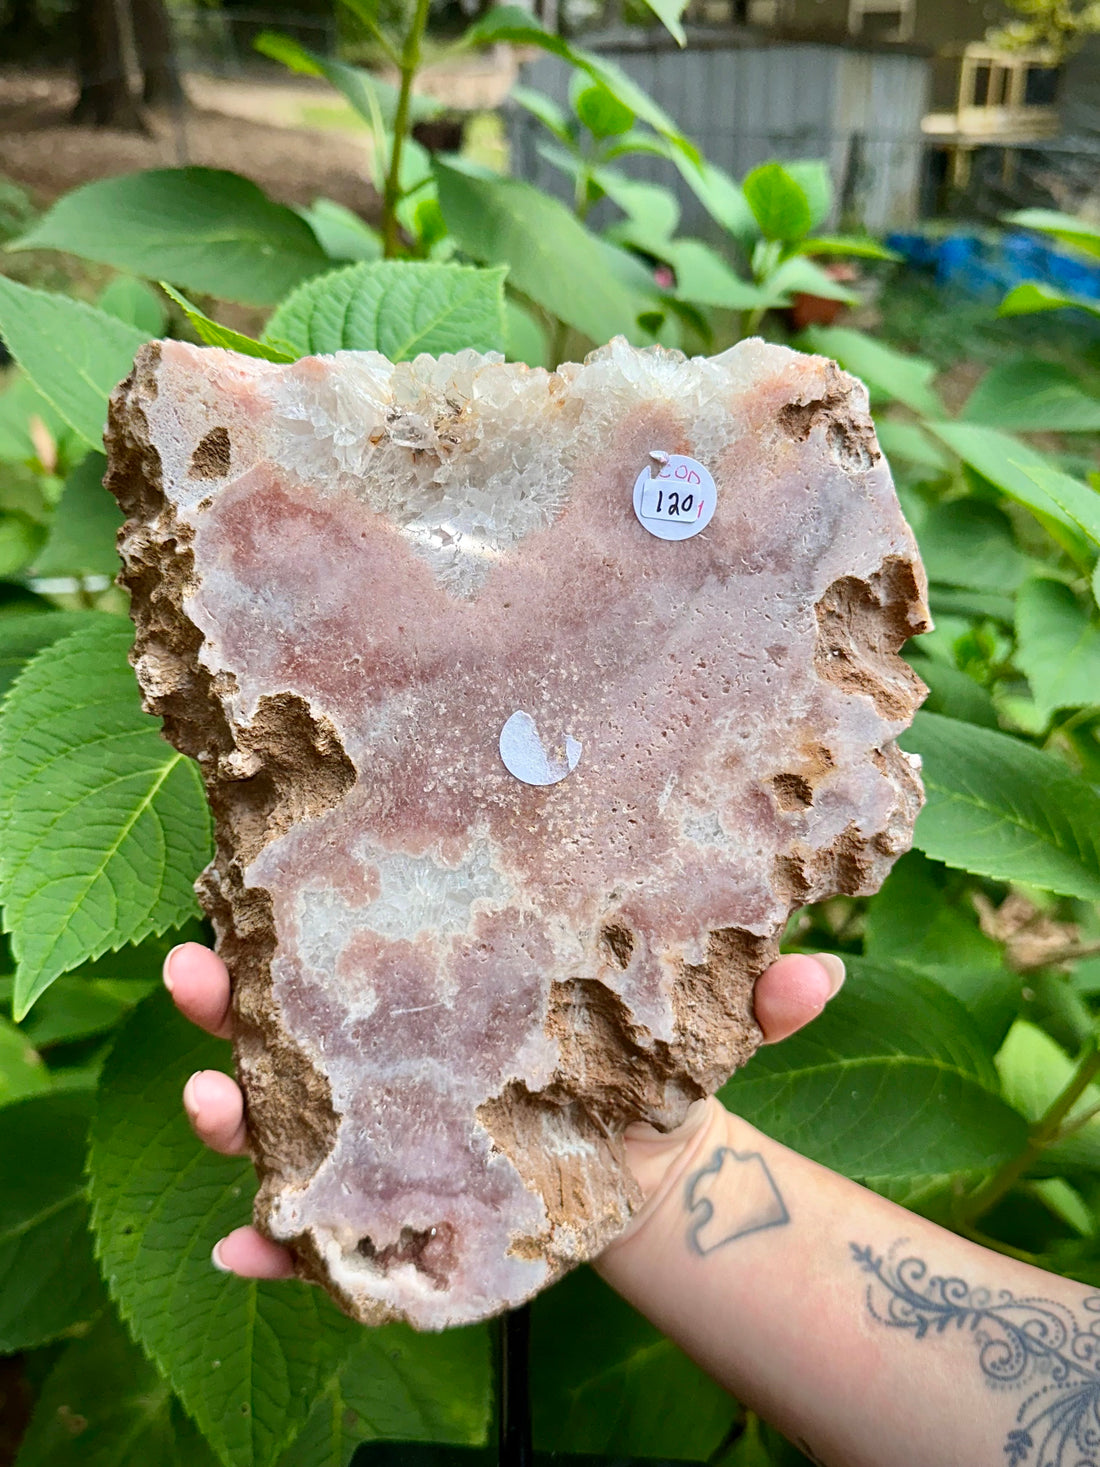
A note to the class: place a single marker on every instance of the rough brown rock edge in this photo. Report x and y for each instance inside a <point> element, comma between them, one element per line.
<point>289,765</point>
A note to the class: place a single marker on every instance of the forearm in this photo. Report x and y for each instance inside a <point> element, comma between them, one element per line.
<point>866,1334</point>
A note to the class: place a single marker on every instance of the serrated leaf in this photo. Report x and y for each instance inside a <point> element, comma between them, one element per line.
<point>104,825</point>
<point>247,1359</point>
<point>203,229</point>
<point>1001,808</point>
<point>619,1390</point>
<point>397,307</point>
<point>104,1405</point>
<point>1057,646</point>
<point>25,635</point>
<point>892,373</point>
<point>81,541</point>
<point>916,923</point>
<point>892,1080</point>
<point>211,333</point>
<point>1033,396</point>
<point>21,1069</point>
<point>550,255</point>
<point>400,1386</point>
<point>74,354</point>
<point>49,1283</point>
<point>134,301</point>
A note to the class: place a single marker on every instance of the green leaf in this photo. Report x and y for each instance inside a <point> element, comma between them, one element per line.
<point>1032,297</point>
<point>778,202</point>
<point>915,922</point>
<point>653,210</point>
<point>910,442</point>
<point>105,826</point>
<point>1066,227</point>
<point>550,255</point>
<point>371,97</point>
<point>21,1069</point>
<point>1015,469</point>
<point>20,540</point>
<point>668,12</point>
<point>400,1386</point>
<point>23,637</point>
<point>1033,396</point>
<point>621,1390</point>
<point>527,339</point>
<point>703,276</point>
<point>1034,1070</point>
<point>20,401</point>
<point>966,542</point>
<point>397,307</point>
<point>342,234</point>
<point>201,228</point>
<point>1001,808</point>
<point>104,1405</point>
<point>246,1359</point>
<point>1080,503</point>
<point>893,1080</point>
<point>815,181</point>
<point>74,354</point>
<point>600,110</point>
<point>552,117</point>
<point>86,521</point>
<point>855,246</point>
<point>49,1284</point>
<point>953,693</point>
<point>892,373</point>
<point>1057,646</point>
<point>212,334</point>
<point>133,301</point>
<point>75,1008</point>
<point>513,23</point>
<point>800,276</point>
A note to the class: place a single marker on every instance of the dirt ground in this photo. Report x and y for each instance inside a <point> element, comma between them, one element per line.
<point>41,150</point>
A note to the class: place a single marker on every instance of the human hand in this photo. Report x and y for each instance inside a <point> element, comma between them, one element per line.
<point>788,995</point>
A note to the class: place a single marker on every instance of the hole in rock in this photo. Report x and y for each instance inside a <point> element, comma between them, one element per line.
<point>210,459</point>
<point>792,792</point>
<point>619,942</point>
<point>431,1251</point>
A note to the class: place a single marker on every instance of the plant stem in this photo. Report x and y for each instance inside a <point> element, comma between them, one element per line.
<point>410,64</point>
<point>1044,1132</point>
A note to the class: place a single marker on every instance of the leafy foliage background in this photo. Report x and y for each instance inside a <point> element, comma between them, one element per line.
<point>956,1070</point>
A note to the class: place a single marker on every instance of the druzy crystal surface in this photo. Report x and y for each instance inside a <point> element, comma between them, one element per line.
<point>454,987</point>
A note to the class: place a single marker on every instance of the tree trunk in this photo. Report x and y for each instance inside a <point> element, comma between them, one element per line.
<point>105,99</point>
<point>156,53</point>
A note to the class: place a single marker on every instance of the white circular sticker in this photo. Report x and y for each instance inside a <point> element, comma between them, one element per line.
<point>527,757</point>
<point>674,496</point>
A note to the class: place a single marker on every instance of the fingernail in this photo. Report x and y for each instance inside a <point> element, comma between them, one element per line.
<point>166,971</point>
<point>196,1093</point>
<point>834,966</point>
<point>216,1257</point>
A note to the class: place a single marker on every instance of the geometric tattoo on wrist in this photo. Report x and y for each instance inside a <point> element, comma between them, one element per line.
<point>1035,1345</point>
<point>732,1196</point>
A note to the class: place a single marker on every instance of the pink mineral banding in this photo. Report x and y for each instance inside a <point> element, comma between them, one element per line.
<point>454,990</point>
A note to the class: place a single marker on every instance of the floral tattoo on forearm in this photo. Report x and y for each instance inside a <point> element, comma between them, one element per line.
<point>1032,1345</point>
<point>732,1196</point>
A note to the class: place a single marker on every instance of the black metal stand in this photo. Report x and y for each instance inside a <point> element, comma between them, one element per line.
<point>513,1341</point>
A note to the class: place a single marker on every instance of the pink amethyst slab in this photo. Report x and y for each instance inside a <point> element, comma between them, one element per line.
<point>455,989</point>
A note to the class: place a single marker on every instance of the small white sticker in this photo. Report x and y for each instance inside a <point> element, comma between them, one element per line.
<point>529,759</point>
<point>674,496</point>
